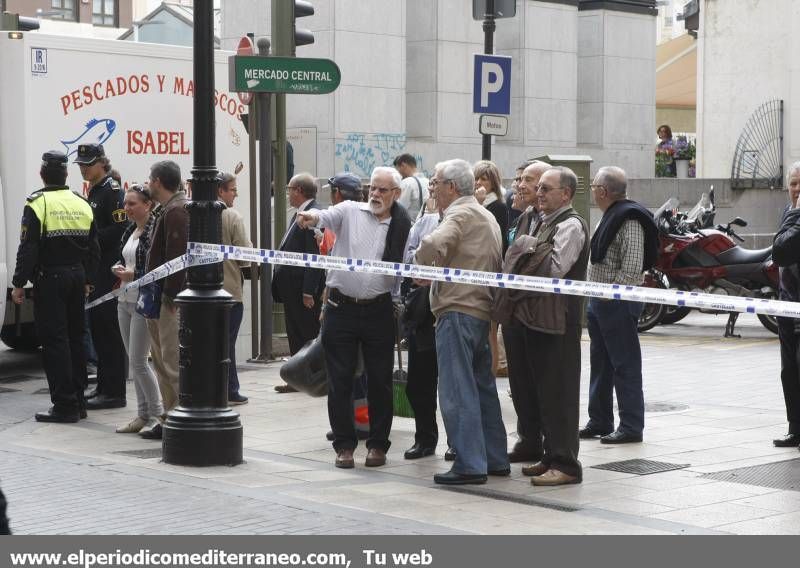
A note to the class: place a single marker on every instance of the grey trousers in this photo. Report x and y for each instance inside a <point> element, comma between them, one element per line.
<point>133,328</point>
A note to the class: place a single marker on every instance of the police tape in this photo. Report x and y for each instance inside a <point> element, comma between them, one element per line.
<point>206,253</point>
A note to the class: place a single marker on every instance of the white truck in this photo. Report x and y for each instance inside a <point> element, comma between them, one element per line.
<point>135,98</point>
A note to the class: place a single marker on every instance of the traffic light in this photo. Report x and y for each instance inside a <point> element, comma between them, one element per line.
<point>301,36</point>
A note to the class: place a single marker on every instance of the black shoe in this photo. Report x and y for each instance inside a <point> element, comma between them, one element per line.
<point>236,399</point>
<point>154,433</point>
<point>450,455</point>
<point>102,401</point>
<point>788,441</point>
<point>54,415</point>
<point>620,437</point>
<point>419,451</point>
<point>283,389</point>
<point>453,478</point>
<point>500,472</point>
<point>82,413</point>
<point>588,433</point>
<point>521,456</point>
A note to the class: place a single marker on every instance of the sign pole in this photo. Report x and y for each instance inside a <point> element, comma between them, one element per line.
<point>488,48</point>
<point>265,203</point>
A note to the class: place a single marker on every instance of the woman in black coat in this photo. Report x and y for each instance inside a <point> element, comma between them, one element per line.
<point>489,193</point>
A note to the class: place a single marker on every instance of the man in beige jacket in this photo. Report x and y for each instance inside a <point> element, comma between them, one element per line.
<point>468,238</point>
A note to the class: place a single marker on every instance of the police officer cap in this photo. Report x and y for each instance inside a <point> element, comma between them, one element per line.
<point>346,182</point>
<point>89,153</point>
<point>54,159</point>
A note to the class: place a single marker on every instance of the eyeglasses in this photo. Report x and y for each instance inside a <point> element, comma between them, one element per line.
<point>140,189</point>
<point>596,185</point>
<point>546,188</point>
<point>381,190</point>
<point>292,188</point>
<point>433,182</point>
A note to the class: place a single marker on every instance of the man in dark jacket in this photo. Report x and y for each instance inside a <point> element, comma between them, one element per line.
<point>786,254</point>
<point>167,241</point>
<point>623,247</point>
<point>105,197</point>
<point>296,287</point>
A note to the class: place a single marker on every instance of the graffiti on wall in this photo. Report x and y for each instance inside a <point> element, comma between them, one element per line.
<point>361,153</point>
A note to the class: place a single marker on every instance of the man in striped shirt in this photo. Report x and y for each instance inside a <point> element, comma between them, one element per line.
<point>618,256</point>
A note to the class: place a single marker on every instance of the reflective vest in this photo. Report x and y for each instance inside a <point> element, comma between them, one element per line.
<point>61,213</point>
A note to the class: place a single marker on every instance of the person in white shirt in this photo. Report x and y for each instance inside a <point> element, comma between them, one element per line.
<point>413,188</point>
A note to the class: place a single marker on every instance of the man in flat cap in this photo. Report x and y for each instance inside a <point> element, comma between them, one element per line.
<point>105,197</point>
<point>58,253</point>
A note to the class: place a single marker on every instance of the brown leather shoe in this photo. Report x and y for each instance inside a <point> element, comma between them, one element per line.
<point>344,459</point>
<point>554,477</point>
<point>375,458</point>
<point>534,470</point>
<point>283,389</point>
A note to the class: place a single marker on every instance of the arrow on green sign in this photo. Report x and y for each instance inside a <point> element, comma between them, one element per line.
<point>298,75</point>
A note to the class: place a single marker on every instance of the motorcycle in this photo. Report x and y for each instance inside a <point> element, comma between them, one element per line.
<point>697,258</point>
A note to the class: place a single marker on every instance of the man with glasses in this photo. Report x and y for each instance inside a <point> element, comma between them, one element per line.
<point>299,288</point>
<point>105,197</point>
<point>553,344</point>
<point>467,238</point>
<point>359,311</point>
<point>624,245</point>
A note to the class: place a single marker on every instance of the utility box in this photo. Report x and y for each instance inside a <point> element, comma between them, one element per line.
<point>580,165</point>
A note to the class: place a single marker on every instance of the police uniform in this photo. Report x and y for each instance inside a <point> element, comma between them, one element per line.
<point>106,199</point>
<point>58,252</point>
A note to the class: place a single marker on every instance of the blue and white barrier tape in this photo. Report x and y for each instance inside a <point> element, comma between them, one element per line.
<point>205,253</point>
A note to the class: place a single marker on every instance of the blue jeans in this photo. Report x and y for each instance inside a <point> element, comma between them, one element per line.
<point>616,360</point>
<point>468,394</point>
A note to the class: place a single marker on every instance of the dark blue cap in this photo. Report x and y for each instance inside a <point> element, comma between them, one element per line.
<point>89,153</point>
<point>346,182</point>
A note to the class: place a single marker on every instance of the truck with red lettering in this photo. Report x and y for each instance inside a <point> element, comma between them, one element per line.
<point>135,98</point>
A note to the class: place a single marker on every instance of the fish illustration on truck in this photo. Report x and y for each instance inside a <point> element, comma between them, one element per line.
<point>98,130</point>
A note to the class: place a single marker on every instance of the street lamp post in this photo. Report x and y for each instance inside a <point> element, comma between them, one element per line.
<point>202,430</point>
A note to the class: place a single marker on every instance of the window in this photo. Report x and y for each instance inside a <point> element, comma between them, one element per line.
<point>104,13</point>
<point>64,10</point>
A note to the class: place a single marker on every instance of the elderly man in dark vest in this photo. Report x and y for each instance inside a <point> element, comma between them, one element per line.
<point>554,334</point>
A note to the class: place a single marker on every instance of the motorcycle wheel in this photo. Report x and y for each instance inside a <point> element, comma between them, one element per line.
<point>650,317</point>
<point>674,314</point>
<point>770,322</point>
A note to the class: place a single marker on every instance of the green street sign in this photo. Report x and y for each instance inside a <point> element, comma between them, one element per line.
<point>296,75</point>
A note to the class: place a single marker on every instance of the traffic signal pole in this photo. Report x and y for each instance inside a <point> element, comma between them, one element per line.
<point>282,42</point>
<point>488,49</point>
<point>265,352</point>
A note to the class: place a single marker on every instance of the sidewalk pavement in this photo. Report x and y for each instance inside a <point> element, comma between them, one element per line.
<point>713,405</point>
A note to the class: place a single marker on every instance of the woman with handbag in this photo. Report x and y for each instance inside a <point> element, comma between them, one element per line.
<point>133,327</point>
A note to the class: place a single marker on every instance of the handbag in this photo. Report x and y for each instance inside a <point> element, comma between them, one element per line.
<point>148,305</point>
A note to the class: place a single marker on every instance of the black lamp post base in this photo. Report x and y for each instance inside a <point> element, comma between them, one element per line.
<point>202,437</point>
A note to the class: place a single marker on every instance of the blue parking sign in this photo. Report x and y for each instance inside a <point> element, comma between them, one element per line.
<point>492,84</point>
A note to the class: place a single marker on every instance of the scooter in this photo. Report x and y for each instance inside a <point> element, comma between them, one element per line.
<point>693,257</point>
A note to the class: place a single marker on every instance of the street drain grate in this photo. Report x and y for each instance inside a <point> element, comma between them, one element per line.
<point>42,391</point>
<point>4,389</point>
<point>141,454</point>
<point>17,378</point>
<point>665,407</point>
<point>640,467</point>
<point>777,475</point>
<point>519,499</point>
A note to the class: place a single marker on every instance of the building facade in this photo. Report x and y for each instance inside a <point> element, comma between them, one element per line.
<point>583,81</point>
<point>89,18</point>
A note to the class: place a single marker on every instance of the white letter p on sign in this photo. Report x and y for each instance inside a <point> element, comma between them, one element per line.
<point>491,81</point>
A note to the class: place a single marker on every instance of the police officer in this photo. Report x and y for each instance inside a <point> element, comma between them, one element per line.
<point>105,197</point>
<point>58,252</point>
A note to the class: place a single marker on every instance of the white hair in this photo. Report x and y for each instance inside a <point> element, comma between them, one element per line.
<point>460,173</point>
<point>614,179</point>
<point>793,169</point>
<point>382,170</point>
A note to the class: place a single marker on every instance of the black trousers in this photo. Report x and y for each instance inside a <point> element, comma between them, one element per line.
<point>519,356</point>
<point>556,372</point>
<point>4,528</point>
<point>423,380</point>
<point>58,309</point>
<point>345,328</point>
<point>302,324</point>
<point>111,367</point>
<point>790,372</point>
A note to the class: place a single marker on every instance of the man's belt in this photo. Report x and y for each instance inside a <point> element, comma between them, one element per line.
<point>337,297</point>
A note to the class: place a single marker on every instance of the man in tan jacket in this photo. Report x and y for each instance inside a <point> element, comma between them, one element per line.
<point>468,238</point>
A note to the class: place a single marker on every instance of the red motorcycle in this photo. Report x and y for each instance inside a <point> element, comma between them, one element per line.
<point>694,257</point>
